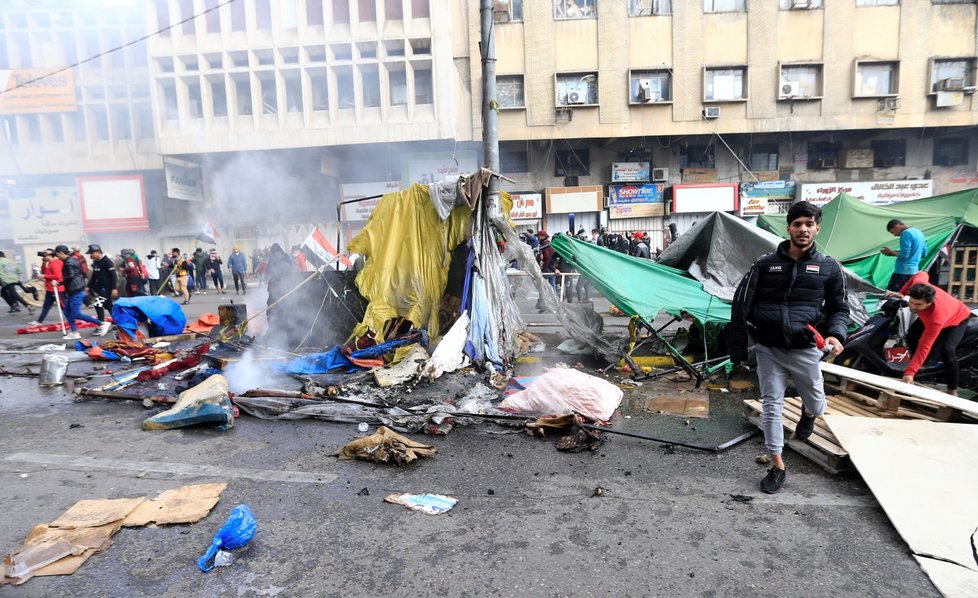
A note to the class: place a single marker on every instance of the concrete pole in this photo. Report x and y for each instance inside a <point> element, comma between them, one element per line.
<point>490,130</point>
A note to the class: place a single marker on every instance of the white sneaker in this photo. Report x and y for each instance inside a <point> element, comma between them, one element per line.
<point>34,323</point>
<point>71,336</point>
<point>102,329</point>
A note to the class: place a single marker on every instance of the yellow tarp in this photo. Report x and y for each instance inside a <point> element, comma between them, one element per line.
<point>408,250</point>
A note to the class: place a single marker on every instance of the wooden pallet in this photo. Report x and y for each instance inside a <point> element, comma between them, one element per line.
<point>822,446</point>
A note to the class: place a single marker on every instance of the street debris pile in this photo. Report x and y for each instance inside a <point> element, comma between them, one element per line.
<point>62,546</point>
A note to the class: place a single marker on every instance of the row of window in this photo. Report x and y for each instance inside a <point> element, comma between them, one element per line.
<point>97,122</point>
<point>948,151</point>
<point>505,11</point>
<point>289,13</point>
<point>873,79</point>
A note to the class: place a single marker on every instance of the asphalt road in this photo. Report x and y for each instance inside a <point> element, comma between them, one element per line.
<point>527,522</point>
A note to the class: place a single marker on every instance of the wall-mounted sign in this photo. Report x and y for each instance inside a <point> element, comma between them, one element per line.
<point>112,204</point>
<point>361,210</point>
<point>184,180</point>
<point>45,215</point>
<point>635,201</point>
<point>571,200</point>
<point>699,175</point>
<point>877,193</point>
<point>769,190</point>
<point>427,168</point>
<point>526,206</point>
<point>29,91</point>
<point>705,198</point>
<point>629,172</point>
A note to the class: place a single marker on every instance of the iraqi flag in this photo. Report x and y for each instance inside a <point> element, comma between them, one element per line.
<point>320,252</point>
<point>208,234</point>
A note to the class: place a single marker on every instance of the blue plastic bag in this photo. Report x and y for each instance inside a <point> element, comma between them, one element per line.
<point>237,532</point>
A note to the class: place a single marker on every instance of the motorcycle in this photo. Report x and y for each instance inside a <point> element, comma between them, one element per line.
<point>879,347</point>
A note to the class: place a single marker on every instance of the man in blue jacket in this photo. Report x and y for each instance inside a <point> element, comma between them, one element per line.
<point>238,265</point>
<point>913,248</point>
<point>781,301</point>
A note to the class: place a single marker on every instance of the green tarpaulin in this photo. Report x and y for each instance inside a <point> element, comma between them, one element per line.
<point>640,287</point>
<point>853,231</point>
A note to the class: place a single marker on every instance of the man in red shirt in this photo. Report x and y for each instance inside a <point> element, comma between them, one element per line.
<point>51,271</point>
<point>942,319</point>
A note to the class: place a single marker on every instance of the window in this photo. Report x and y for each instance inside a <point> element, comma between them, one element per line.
<point>143,115</point>
<point>344,87</point>
<point>368,11</point>
<point>342,51</point>
<point>33,122</point>
<point>420,9</point>
<point>822,154</point>
<point>397,79</point>
<point>269,95</point>
<point>394,48</point>
<point>367,50</point>
<point>875,79</point>
<point>952,74</point>
<point>57,130</point>
<point>877,2</point>
<point>237,16</point>
<point>514,161</point>
<point>186,13</point>
<point>370,85</point>
<point>288,14</point>
<point>263,14</point>
<point>571,162</point>
<point>320,95</point>
<point>799,4</point>
<point>507,11</point>
<point>800,81</point>
<point>242,93</point>
<point>724,5</point>
<point>10,128</point>
<point>645,8</point>
<point>293,91</point>
<point>316,53</point>
<point>314,13</point>
<point>423,89</point>
<point>120,123</point>
<point>100,122</point>
<point>509,91</point>
<point>163,17</point>
<point>78,132</point>
<point>213,19</point>
<point>393,10</point>
<point>763,156</point>
<point>193,93</point>
<point>953,1</point>
<point>575,89</point>
<point>697,156</point>
<point>239,59</point>
<point>724,84</point>
<point>575,9</point>
<point>647,87</point>
<point>169,100</point>
<point>341,12</point>
<point>950,151</point>
<point>219,99</point>
<point>889,152</point>
<point>421,47</point>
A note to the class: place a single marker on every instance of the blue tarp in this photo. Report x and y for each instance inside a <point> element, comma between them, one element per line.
<point>162,315</point>
<point>321,363</point>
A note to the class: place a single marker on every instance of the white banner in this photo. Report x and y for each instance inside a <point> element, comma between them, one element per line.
<point>361,210</point>
<point>527,206</point>
<point>877,193</point>
<point>45,215</point>
<point>427,168</point>
<point>184,180</point>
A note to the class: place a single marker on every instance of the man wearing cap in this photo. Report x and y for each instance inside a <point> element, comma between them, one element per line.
<point>102,285</point>
<point>75,284</point>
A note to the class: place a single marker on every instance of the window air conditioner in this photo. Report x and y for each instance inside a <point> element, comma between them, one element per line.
<point>888,104</point>
<point>951,84</point>
<point>791,89</point>
<point>826,163</point>
<point>577,93</point>
<point>645,91</point>
<point>711,112</point>
<point>800,4</point>
<point>660,175</point>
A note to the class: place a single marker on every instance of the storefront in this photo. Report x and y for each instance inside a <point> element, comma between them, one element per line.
<point>691,202</point>
<point>638,207</point>
<point>573,208</point>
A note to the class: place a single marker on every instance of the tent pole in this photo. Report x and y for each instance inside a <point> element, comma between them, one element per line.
<point>681,361</point>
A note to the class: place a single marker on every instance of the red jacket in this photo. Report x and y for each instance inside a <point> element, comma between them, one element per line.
<point>946,312</point>
<point>52,273</point>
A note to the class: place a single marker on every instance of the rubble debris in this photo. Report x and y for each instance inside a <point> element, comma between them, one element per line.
<point>238,531</point>
<point>53,370</point>
<point>386,446</point>
<point>206,403</point>
<point>564,391</point>
<point>580,440</point>
<point>407,369</point>
<point>430,504</point>
<point>61,547</point>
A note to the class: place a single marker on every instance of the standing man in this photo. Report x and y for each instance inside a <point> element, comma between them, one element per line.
<point>75,284</point>
<point>238,265</point>
<point>214,263</point>
<point>913,247</point>
<point>181,275</point>
<point>10,273</point>
<point>51,271</point>
<point>783,294</point>
<point>200,270</point>
<point>102,285</point>
<point>153,271</point>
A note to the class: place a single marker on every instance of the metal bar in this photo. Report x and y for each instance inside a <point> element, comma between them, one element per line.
<point>677,355</point>
<point>709,449</point>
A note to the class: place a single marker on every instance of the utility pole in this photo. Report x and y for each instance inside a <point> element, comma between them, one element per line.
<point>490,107</point>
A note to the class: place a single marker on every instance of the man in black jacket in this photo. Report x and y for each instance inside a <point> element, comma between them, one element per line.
<point>781,301</point>
<point>102,285</point>
<point>75,284</point>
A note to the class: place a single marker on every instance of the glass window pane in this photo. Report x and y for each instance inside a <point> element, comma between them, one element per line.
<point>575,9</point>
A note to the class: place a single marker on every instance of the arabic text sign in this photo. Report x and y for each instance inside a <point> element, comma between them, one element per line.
<point>45,215</point>
<point>768,190</point>
<point>629,172</point>
<point>360,211</point>
<point>39,93</point>
<point>183,180</point>
<point>526,206</point>
<point>878,193</point>
<point>427,168</point>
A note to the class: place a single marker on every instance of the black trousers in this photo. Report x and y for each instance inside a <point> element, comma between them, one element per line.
<point>239,277</point>
<point>11,296</point>
<point>103,303</point>
<point>946,347</point>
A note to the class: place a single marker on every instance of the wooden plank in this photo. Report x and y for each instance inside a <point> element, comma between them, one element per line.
<point>789,420</point>
<point>912,392</point>
<point>830,463</point>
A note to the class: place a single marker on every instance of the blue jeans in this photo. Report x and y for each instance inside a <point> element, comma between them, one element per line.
<point>73,311</point>
<point>49,302</point>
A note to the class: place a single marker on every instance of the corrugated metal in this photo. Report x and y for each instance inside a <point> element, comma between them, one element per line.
<point>559,223</point>
<point>652,225</point>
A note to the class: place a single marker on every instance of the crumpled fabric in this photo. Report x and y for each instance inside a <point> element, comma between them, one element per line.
<point>455,191</point>
<point>565,390</point>
<point>386,446</point>
<point>184,360</point>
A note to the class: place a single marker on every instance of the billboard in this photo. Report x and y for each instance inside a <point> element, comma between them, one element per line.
<point>571,200</point>
<point>877,193</point>
<point>112,204</point>
<point>184,180</point>
<point>629,172</point>
<point>635,201</point>
<point>30,91</point>
<point>705,198</point>
<point>526,206</point>
<point>45,216</point>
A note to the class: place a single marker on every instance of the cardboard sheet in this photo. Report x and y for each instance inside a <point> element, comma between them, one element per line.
<point>92,513</point>
<point>925,477</point>
<point>187,504</point>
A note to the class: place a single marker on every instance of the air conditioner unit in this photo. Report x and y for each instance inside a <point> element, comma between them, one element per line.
<point>711,112</point>
<point>888,104</point>
<point>800,4</point>
<point>576,93</point>
<point>951,84</point>
<point>645,93</point>
<point>791,89</point>
<point>660,175</point>
<point>826,162</point>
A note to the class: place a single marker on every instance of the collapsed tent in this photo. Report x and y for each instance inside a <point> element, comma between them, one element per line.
<point>162,315</point>
<point>854,231</point>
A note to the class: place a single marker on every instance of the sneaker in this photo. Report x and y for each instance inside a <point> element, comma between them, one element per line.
<point>72,336</point>
<point>30,310</point>
<point>187,302</point>
<point>805,427</point>
<point>33,323</point>
<point>102,329</point>
<point>773,481</point>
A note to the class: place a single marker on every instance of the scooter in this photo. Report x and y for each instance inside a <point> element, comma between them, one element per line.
<point>869,349</point>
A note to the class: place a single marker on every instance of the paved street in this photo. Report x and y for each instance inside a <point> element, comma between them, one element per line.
<point>527,522</point>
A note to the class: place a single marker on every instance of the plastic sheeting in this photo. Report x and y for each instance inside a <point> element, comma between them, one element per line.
<point>408,249</point>
<point>162,315</point>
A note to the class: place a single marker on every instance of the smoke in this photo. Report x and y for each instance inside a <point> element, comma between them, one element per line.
<point>248,374</point>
